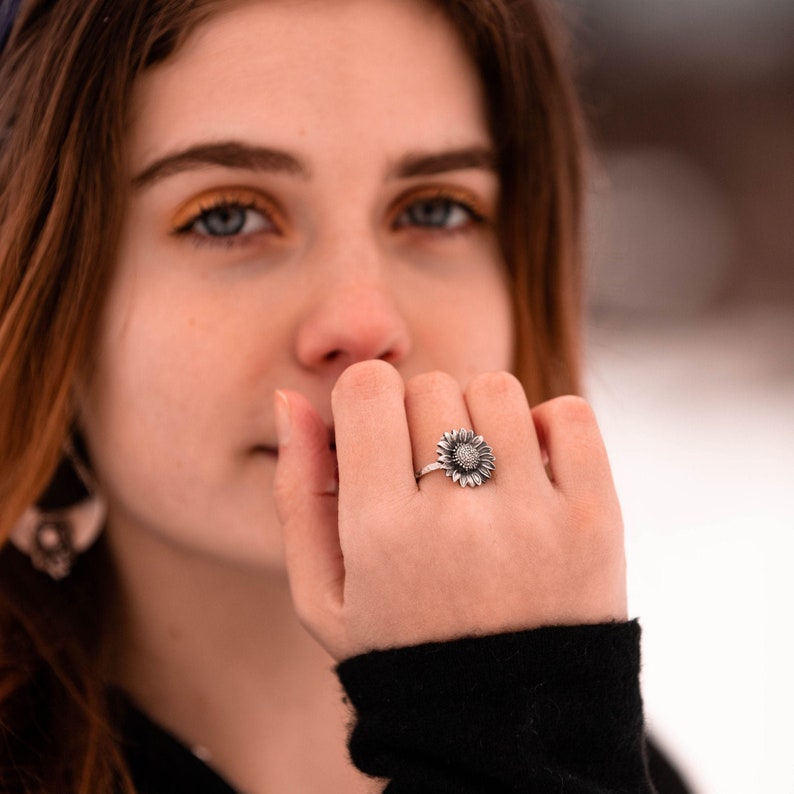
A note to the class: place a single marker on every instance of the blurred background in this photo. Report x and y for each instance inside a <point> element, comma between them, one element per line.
<point>691,362</point>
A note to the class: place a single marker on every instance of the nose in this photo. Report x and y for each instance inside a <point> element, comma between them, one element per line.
<point>353,316</point>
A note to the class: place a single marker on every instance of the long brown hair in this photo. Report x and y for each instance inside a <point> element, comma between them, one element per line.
<point>537,128</point>
<point>66,77</point>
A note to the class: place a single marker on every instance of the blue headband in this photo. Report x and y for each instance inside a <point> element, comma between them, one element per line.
<point>8,13</point>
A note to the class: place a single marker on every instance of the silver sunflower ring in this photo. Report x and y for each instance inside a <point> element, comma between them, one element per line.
<point>463,456</point>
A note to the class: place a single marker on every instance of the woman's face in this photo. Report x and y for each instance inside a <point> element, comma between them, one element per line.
<point>311,185</point>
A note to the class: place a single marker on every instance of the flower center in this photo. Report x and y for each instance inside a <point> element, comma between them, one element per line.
<point>466,456</point>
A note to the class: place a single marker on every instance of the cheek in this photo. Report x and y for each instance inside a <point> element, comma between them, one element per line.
<point>147,401</point>
<point>168,422</point>
<point>135,412</point>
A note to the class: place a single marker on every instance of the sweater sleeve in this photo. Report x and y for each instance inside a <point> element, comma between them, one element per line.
<point>554,709</point>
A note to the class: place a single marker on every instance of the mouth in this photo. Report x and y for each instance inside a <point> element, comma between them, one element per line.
<point>271,452</point>
<point>272,449</point>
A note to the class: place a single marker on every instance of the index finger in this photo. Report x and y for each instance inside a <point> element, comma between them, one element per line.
<point>373,447</point>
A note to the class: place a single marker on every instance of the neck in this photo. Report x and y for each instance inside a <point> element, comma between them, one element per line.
<point>214,653</point>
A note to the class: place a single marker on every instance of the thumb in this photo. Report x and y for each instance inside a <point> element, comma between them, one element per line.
<point>306,501</point>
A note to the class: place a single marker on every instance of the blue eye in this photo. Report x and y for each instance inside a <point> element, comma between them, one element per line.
<point>228,220</point>
<point>437,213</point>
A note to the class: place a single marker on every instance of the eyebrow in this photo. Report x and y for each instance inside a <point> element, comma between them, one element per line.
<point>455,160</point>
<point>234,154</point>
<point>229,154</point>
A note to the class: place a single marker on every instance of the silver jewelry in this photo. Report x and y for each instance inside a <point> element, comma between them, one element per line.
<point>54,538</point>
<point>464,457</point>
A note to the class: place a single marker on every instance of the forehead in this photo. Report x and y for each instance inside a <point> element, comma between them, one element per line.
<point>379,71</point>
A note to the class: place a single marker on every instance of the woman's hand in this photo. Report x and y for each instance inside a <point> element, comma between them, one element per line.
<point>391,561</point>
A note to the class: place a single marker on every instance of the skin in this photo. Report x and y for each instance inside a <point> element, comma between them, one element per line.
<point>364,287</point>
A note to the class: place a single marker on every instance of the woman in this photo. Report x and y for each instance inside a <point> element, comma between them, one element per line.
<point>369,209</point>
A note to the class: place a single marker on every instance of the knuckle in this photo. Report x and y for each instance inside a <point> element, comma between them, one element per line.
<point>430,383</point>
<point>367,380</point>
<point>303,603</point>
<point>572,409</point>
<point>312,611</point>
<point>495,385</point>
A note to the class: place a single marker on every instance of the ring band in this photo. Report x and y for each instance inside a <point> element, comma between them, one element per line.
<point>463,456</point>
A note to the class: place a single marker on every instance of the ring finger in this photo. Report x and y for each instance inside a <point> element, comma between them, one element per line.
<point>434,404</point>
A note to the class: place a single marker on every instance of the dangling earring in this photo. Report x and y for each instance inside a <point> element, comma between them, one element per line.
<point>53,537</point>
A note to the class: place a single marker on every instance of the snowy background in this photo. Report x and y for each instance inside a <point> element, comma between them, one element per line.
<point>691,362</point>
<point>699,421</point>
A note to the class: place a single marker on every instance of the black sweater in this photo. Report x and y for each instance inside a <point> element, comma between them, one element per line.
<point>548,710</point>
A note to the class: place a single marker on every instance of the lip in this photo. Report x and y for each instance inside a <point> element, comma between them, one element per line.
<point>272,452</point>
<point>272,449</point>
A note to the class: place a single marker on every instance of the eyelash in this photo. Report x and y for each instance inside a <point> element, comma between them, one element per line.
<point>453,199</point>
<point>230,204</point>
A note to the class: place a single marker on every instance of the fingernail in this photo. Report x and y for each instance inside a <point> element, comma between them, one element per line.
<point>283,418</point>
<point>332,489</point>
